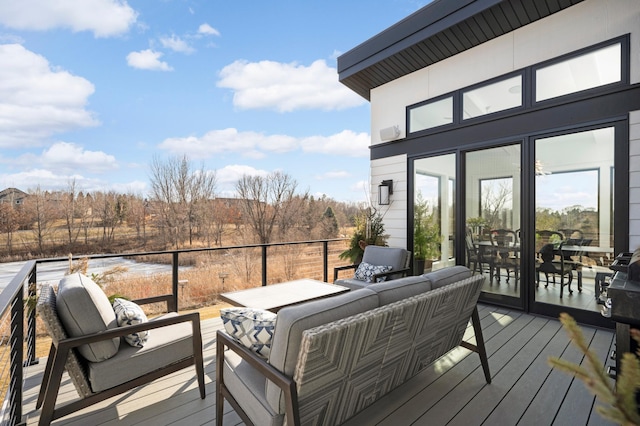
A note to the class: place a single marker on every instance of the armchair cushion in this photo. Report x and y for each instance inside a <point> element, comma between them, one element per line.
<point>366,271</point>
<point>167,346</point>
<point>129,313</point>
<point>251,327</point>
<point>85,309</point>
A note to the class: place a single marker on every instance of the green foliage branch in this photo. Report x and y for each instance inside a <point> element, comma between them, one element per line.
<point>621,402</point>
<point>369,231</point>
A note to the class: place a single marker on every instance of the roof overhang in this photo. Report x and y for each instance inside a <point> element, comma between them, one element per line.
<point>438,31</point>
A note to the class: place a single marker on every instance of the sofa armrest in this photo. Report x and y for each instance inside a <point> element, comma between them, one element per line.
<point>343,268</point>
<point>288,386</point>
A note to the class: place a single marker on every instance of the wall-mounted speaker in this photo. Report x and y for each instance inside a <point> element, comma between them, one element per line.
<point>390,133</point>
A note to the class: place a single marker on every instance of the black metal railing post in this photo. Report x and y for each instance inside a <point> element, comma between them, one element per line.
<point>174,280</point>
<point>325,261</point>
<point>15,368</point>
<point>31,320</point>
<point>264,265</point>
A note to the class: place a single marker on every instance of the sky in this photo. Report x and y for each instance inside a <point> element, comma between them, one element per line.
<point>92,91</point>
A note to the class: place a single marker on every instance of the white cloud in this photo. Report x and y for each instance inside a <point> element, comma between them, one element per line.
<point>257,145</point>
<point>147,60</point>
<point>340,174</point>
<point>37,101</point>
<point>104,18</point>
<point>345,143</point>
<point>207,29</point>
<point>176,44</point>
<point>67,157</point>
<point>48,180</point>
<point>286,87</point>
<point>228,176</point>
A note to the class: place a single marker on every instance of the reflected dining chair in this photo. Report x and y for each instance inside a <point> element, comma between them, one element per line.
<point>506,252</point>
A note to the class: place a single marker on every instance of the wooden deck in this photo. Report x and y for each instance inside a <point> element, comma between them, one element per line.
<point>524,391</point>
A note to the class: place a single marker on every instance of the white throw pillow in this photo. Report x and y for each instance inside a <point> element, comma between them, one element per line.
<point>129,313</point>
<point>253,328</point>
<point>366,271</point>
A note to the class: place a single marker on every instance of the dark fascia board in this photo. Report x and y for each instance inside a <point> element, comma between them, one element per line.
<point>422,24</point>
<point>363,67</point>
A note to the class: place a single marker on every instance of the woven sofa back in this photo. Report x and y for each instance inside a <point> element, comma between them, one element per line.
<point>346,365</point>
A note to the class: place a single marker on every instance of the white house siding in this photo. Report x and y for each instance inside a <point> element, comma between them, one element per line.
<point>577,27</point>
<point>634,180</point>
<point>395,214</point>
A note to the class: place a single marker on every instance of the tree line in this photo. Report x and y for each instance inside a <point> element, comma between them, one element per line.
<point>182,209</point>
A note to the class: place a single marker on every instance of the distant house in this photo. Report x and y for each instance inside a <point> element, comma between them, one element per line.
<point>517,115</point>
<point>12,196</point>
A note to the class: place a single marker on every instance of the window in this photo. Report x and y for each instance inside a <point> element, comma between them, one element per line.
<point>432,114</point>
<point>498,96</point>
<point>592,69</point>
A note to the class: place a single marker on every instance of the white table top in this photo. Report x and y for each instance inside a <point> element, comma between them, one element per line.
<point>276,296</point>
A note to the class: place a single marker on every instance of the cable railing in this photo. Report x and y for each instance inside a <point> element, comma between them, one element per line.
<point>197,277</point>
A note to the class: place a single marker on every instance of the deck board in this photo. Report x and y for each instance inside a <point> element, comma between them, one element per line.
<point>525,390</point>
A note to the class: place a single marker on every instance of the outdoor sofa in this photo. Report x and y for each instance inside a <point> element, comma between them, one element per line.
<point>331,358</point>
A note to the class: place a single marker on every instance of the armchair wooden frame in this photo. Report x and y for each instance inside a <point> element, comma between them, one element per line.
<point>284,382</point>
<point>60,349</point>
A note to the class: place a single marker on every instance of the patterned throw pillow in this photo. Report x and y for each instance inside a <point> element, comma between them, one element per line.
<point>128,313</point>
<point>366,271</point>
<point>252,327</point>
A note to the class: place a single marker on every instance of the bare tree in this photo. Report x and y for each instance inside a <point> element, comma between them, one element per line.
<point>69,212</point>
<point>136,214</point>
<point>110,208</point>
<point>496,200</point>
<point>267,200</point>
<point>40,214</point>
<point>182,192</point>
<point>9,222</point>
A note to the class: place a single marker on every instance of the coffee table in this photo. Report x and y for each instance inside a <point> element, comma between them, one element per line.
<point>276,296</point>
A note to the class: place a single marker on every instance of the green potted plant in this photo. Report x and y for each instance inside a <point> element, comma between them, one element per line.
<point>369,231</point>
<point>426,236</point>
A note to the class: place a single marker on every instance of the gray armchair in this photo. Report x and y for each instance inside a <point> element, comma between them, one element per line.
<point>396,257</point>
<point>99,364</point>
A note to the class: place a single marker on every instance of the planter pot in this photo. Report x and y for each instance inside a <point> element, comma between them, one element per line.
<point>421,266</point>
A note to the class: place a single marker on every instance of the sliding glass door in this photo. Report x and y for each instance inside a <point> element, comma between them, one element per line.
<point>492,218</point>
<point>574,211</point>
<point>434,212</point>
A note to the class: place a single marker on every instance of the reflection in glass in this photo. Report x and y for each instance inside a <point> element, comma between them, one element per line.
<point>573,213</point>
<point>492,210</point>
<point>434,182</point>
<point>430,115</point>
<point>492,98</point>
<point>583,72</point>
<point>496,202</point>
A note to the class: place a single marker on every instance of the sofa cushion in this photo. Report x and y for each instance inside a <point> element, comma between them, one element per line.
<point>83,309</point>
<point>293,320</point>
<point>253,328</point>
<point>448,275</point>
<point>392,291</point>
<point>247,385</point>
<point>366,271</point>
<point>165,346</point>
<point>129,313</point>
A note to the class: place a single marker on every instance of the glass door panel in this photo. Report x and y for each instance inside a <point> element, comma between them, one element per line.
<point>574,217</point>
<point>492,213</point>
<point>434,213</point>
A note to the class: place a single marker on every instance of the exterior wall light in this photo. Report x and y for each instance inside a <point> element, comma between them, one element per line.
<point>385,189</point>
